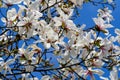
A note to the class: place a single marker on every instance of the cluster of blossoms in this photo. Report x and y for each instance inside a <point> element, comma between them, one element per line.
<point>45,28</point>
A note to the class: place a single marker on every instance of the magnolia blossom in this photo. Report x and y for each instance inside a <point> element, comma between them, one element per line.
<point>48,36</point>
<point>11,18</point>
<point>103,20</point>
<point>5,65</point>
<point>96,61</point>
<point>64,20</point>
<point>105,14</point>
<point>90,72</point>
<point>27,54</point>
<point>28,23</point>
<point>101,24</point>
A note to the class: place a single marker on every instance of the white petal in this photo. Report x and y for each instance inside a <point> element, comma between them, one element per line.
<point>3,20</point>
<point>46,77</point>
<point>47,45</point>
<point>98,71</point>
<point>26,2</point>
<point>103,78</point>
<point>11,14</point>
<point>57,21</point>
<point>55,46</point>
<point>117,31</point>
<point>21,23</point>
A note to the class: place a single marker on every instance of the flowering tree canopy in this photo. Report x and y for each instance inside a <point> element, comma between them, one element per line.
<point>39,40</point>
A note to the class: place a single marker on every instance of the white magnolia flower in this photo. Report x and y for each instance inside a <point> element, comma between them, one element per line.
<point>5,65</point>
<point>28,54</point>
<point>11,18</point>
<point>106,46</point>
<point>64,20</point>
<point>105,14</point>
<point>48,36</point>
<point>91,73</point>
<point>101,23</point>
<point>28,24</point>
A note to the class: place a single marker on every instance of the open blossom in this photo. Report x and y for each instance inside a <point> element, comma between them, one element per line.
<point>101,24</point>
<point>48,36</point>
<point>105,14</point>
<point>103,20</point>
<point>90,72</point>
<point>27,24</point>
<point>64,20</point>
<point>5,65</point>
<point>10,20</point>
<point>28,54</point>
